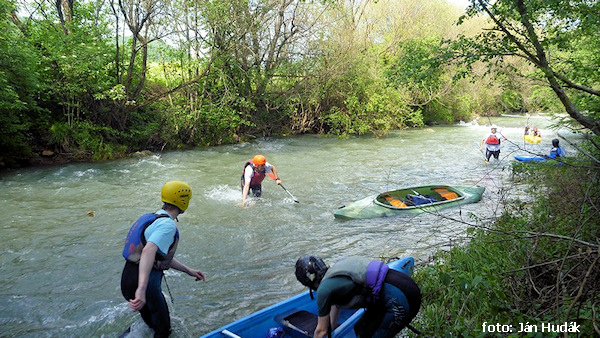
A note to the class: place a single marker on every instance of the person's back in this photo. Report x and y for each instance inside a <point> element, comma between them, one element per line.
<point>149,249</point>
<point>557,150</point>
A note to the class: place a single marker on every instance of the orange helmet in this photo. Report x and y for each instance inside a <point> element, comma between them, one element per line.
<point>259,160</point>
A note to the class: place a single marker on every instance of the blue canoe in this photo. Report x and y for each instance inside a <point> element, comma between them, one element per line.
<point>531,158</point>
<point>297,315</point>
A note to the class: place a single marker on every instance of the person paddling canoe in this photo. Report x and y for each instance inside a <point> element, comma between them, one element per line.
<point>254,173</point>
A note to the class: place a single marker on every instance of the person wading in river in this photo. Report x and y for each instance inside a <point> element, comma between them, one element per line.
<point>492,144</point>
<point>391,298</point>
<point>149,250</point>
<point>254,173</point>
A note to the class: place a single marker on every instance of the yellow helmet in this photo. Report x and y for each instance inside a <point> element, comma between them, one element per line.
<point>177,193</point>
<point>259,160</point>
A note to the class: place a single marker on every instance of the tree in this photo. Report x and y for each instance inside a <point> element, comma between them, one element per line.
<point>20,84</point>
<point>559,38</point>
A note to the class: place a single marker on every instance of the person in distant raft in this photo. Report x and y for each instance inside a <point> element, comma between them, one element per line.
<point>254,173</point>
<point>492,144</point>
<point>391,298</point>
<point>149,250</point>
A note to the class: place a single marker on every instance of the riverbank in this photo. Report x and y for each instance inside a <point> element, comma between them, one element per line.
<point>48,158</point>
<point>533,271</point>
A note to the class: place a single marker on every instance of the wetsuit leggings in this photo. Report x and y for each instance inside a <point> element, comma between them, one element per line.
<point>489,153</point>
<point>156,312</point>
<point>400,301</point>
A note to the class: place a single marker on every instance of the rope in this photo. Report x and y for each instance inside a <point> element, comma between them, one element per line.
<point>169,289</point>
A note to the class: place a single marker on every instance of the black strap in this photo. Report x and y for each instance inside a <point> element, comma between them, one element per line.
<point>142,237</point>
<point>408,286</point>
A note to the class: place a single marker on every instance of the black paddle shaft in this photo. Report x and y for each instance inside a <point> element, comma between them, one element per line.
<point>289,193</point>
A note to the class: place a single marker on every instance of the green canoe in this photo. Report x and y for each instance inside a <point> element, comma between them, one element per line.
<point>413,200</point>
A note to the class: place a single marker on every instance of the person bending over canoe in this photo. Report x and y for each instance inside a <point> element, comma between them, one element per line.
<point>149,250</point>
<point>492,144</point>
<point>391,298</point>
<point>254,173</point>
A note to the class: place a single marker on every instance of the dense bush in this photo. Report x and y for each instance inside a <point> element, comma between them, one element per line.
<point>539,262</point>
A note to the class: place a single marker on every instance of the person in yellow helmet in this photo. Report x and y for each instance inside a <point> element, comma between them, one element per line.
<point>150,249</point>
<point>254,173</point>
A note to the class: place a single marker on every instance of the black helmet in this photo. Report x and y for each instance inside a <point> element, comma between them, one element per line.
<point>310,270</point>
<point>555,142</point>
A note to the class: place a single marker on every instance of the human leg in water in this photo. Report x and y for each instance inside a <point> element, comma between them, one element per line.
<point>256,190</point>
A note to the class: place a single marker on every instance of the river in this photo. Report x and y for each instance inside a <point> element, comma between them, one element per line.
<point>61,266</point>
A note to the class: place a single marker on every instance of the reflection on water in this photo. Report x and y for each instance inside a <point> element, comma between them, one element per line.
<point>61,269</point>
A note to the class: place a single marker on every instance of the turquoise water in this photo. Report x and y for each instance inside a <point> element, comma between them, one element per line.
<point>61,268</point>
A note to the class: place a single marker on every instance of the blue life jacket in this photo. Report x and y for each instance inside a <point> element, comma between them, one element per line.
<point>368,274</point>
<point>556,152</point>
<point>135,242</point>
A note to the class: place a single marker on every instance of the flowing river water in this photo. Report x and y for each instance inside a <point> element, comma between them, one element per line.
<point>61,266</point>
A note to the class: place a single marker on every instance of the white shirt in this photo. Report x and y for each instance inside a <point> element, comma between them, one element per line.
<point>249,171</point>
<point>492,147</point>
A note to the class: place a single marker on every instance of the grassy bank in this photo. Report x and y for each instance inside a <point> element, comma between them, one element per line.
<point>535,268</point>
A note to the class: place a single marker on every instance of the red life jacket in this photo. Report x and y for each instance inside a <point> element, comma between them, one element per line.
<point>257,177</point>
<point>492,139</point>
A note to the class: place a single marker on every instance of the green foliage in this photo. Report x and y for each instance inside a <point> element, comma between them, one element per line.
<point>377,114</point>
<point>418,70</point>
<point>85,140</point>
<point>555,37</point>
<point>463,288</point>
<point>435,112</point>
<point>545,99</point>
<point>512,101</point>
<point>19,85</point>
<point>331,71</point>
<point>77,67</point>
<point>534,264</point>
<point>214,125</point>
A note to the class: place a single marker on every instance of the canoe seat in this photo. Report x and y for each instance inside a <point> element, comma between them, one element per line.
<point>446,195</point>
<point>394,201</point>
<point>298,323</point>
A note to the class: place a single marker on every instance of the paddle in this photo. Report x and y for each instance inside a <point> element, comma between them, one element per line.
<point>289,193</point>
<point>481,151</point>
<point>230,334</point>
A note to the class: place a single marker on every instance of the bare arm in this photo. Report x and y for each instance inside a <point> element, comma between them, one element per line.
<point>322,326</point>
<point>145,266</point>
<point>276,175</point>
<point>246,179</point>
<point>245,192</point>
<point>334,314</point>
<point>177,265</point>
